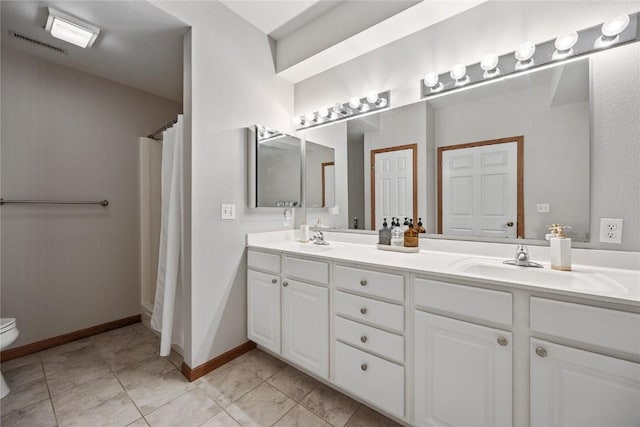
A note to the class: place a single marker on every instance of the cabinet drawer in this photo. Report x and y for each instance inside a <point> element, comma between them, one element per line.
<point>480,303</point>
<point>379,313</point>
<point>263,261</point>
<point>304,269</point>
<point>374,283</point>
<point>370,338</point>
<point>370,377</point>
<point>617,330</point>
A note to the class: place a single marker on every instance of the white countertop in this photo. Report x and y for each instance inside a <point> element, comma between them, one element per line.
<point>600,283</point>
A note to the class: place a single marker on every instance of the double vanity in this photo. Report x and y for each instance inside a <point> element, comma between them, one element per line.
<point>447,336</point>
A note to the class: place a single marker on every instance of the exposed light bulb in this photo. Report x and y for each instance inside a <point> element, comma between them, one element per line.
<point>338,108</point>
<point>458,71</point>
<point>364,108</point>
<point>323,112</point>
<point>525,51</point>
<point>611,31</point>
<point>564,45</point>
<point>431,80</point>
<point>309,117</point>
<point>372,97</point>
<point>489,63</point>
<point>354,102</point>
<point>381,102</point>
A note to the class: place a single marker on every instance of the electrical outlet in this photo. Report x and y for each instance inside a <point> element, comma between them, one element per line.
<point>227,211</point>
<point>611,230</point>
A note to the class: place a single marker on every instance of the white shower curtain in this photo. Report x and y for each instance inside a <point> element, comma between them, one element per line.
<point>168,309</point>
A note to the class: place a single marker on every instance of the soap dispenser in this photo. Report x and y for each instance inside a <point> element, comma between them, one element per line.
<point>420,227</point>
<point>397,235</point>
<point>560,246</point>
<point>411,236</point>
<point>384,234</point>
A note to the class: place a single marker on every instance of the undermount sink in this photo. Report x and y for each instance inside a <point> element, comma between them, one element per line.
<point>311,247</point>
<point>579,279</point>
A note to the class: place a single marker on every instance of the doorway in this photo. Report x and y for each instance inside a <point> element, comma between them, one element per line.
<point>394,183</point>
<point>481,188</point>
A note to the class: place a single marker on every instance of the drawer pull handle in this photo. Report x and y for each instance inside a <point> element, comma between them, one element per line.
<point>363,310</point>
<point>541,351</point>
<point>364,366</point>
<point>363,338</point>
<point>274,280</point>
<point>502,341</point>
<point>363,282</point>
<point>285,283</point>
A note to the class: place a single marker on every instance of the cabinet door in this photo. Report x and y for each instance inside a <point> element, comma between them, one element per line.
<point>462,373</point>
<point>305,326</point>
<point>263,309</point>
<point>571,387</point>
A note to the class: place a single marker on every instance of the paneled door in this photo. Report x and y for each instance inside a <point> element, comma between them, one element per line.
<point>263,309</point>
<point>394,191</point>
<point>463,373</point>
<point>305,326</point>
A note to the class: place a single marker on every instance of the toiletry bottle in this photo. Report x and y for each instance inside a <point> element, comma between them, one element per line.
<point>560,246</point>
<point>411,236</point>
<point>384,234</point>
<point>355,223</point>
<point>397,235</point>
<point>304,232</point>
<point>405,225</point>
<point>420,228</point>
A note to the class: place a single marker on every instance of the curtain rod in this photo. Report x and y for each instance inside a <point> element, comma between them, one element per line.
<point>51,202</point>
<point>154,135</point>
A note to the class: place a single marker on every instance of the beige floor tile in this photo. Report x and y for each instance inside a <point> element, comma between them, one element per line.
<point>139,423</point>
<point>151,391</point>
<point>115,339</point>
<point>20,361</point>
<point>37,415</point>
<point>367,417</point>
<point>260,363</point>
<point>228,383</point>
<point>330,405</point>
<point>101,399</point>
<point>260,407</point>
<point>221,420</point>
<point>65,350</point>
<point>175,359</point>
<point>24,374</point>
<point>24,395</point>
<point>293,383</point>
<point>190,409</point>
<point>129,357</point>
<point>301,417</point>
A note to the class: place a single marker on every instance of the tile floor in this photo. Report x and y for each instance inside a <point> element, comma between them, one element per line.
<point>118,379</point>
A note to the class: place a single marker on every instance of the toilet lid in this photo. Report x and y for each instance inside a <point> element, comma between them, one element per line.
<point>6,324</point>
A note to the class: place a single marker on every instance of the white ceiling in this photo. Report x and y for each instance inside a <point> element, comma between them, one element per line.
<point>139,45</point>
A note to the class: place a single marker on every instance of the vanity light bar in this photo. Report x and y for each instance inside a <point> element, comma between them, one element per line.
<point>341,111</point>
<point>264,133</point>
<point>614,32</point>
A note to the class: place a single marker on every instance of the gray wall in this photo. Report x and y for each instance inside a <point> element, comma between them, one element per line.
<point>355,177</point>
<point>499,26</point>
<point>68,135</point>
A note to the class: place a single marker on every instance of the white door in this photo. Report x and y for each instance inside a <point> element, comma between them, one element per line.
<point>263,309</point>
<point>393,186</point>
<point>480,191</point>
<point>571,387</point>
<point>329,186</point>
<point>462,373</point>
<point>305,326</point>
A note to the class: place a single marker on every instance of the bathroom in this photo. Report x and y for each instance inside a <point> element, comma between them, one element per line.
<point>73,269</point>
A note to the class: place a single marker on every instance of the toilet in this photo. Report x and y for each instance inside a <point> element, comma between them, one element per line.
<point>8,334</point>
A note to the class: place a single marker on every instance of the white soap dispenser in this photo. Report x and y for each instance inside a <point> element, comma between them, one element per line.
<point>560,246</point>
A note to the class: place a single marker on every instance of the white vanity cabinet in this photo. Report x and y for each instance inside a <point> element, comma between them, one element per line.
<point>571,386</point>
<point>462,371</point>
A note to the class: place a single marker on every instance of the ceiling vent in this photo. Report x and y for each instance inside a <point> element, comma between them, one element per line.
<point>38,42</point>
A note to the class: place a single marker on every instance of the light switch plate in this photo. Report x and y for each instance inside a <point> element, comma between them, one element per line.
<point>228,211</point>
<point>611,230</point>
<point>542,207</point>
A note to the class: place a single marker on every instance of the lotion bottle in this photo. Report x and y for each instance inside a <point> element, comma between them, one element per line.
<point>384,234</point>
<point>560,246</point>
<point>411,236</point>
<point>304,232</point>
<point>397,235</point>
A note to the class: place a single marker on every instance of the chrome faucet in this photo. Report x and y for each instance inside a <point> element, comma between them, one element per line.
<point>521,258</point>
<point>318,239</point>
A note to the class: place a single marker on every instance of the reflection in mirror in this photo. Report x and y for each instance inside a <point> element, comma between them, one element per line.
<point>502,160</point>
<point>320,176</point>
<point>277,165</point>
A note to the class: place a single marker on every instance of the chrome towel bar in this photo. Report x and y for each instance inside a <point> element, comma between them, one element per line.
<point>52,202</point>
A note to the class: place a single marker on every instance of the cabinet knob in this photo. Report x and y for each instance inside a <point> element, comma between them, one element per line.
<point>285,284</point>
<point>363,338</point>
<point>364,366</point>
<point>541,351</point>
<point>363,282</point>
<point>502,341</point>
<point>274,280</point>
<point>363,310</point>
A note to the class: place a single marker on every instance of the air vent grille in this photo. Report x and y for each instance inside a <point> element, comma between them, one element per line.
<point>38,42</point>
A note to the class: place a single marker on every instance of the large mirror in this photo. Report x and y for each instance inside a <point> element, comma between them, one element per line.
<point>502,160</point>
<point>274,168</point>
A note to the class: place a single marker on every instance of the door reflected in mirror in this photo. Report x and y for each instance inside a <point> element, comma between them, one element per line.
<point>320,172</point>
